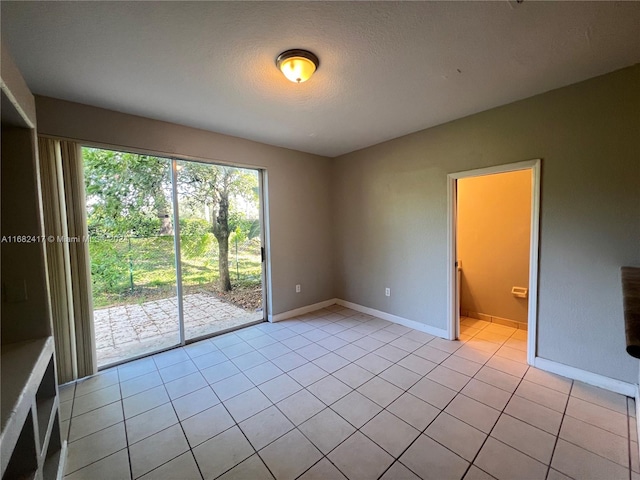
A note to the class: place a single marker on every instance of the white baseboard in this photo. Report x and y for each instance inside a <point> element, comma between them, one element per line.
<point>617,386</point>
<point>438,332</point>
<point>302,310</point>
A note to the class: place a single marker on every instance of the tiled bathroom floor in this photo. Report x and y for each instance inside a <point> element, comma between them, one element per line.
<point>338,394</point>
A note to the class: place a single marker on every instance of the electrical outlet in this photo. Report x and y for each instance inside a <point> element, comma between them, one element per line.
<point>387,292</point>
<point>297,288</point>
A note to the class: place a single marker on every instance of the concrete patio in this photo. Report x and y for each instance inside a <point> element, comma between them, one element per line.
<point>127,331</point>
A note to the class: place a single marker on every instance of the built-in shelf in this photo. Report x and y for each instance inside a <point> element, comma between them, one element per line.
<point>30,442</point>
<point>46,401</point>
<point>52,465</point>
<point>44,410</point>
<point>22,461</point>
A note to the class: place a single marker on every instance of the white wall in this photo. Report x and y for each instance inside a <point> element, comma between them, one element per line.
<point>391,206</point>
<point>298,185</point>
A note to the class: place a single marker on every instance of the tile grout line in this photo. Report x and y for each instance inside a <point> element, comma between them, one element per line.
<point>355,389</point>
<point>295,427</point>
<point>163,383</point>
<point>124,418</point>
<point>434,419</point>
<point>357,429</point>
<point>148,436</point>
<point>160,431</point>
<point>459,393</point>
<point>407,391</point>
<point>494,425</point>
<point>124,425</point>
<point>555,443</point>
<point>564,414</point>
<point>185,438</point>
<point>350,362</point>
<point>272,404</point>
<point>422,432</point>
<point>235,424</point>
<point>101,430</point>
<point>589,451</point>
<point>383,409</point>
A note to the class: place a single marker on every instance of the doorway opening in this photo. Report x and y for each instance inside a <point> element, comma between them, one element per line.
<point>176,251</point>
<point>493,254</point>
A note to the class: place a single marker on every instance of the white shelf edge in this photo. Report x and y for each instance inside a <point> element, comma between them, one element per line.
<point>16,358</point>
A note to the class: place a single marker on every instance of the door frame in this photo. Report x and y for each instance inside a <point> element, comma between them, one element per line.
<point>453,324</point>
<point>262,218</point>
<point>263,212</point>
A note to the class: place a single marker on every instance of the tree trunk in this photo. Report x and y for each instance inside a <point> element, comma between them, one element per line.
<point>223,263</point>
<point>221,232</point>
<point>166,228</point>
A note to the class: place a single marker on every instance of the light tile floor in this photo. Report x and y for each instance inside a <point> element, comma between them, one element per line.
<point>128,331</point>
<point>337,394</point>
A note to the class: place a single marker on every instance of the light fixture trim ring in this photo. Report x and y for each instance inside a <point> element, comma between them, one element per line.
<point>297,52</point>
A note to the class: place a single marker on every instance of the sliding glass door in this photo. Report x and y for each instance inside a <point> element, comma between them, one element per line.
<point>220,247</point>
<point>176,251</point>
<point>131,245</point>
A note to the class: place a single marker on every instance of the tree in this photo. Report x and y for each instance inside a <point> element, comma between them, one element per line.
<point>212,186</point>
<point>127,193</point>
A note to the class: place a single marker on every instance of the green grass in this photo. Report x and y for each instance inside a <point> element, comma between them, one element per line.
<point>136,270</point>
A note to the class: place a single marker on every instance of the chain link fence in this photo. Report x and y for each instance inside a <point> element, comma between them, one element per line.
<point>136,269</point>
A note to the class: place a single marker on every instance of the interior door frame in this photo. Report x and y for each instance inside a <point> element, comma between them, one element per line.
<point>453,314</point>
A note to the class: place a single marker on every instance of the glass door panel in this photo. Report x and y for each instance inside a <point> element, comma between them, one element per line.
<point>133,269</point>
<point>220,247</point>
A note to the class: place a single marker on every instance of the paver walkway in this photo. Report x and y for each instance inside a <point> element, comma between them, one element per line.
<point>129,330</point>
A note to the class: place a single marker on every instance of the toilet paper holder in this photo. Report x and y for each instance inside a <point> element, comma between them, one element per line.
<point>520,292</point>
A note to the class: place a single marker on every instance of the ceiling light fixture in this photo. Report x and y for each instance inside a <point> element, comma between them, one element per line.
<point>297,65</point>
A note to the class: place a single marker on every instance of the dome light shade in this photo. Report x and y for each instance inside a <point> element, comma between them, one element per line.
<point>297,65</point>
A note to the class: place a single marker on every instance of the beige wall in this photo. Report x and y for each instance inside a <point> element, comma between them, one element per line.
<point>493,236</point>
<point>391,207</point>
<point>376,218</point>
<point>301,221</point>
<point>25,302</point>
<point>16,88</point>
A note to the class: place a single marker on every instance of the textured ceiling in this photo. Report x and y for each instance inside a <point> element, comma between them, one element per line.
<point>386,68</point>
